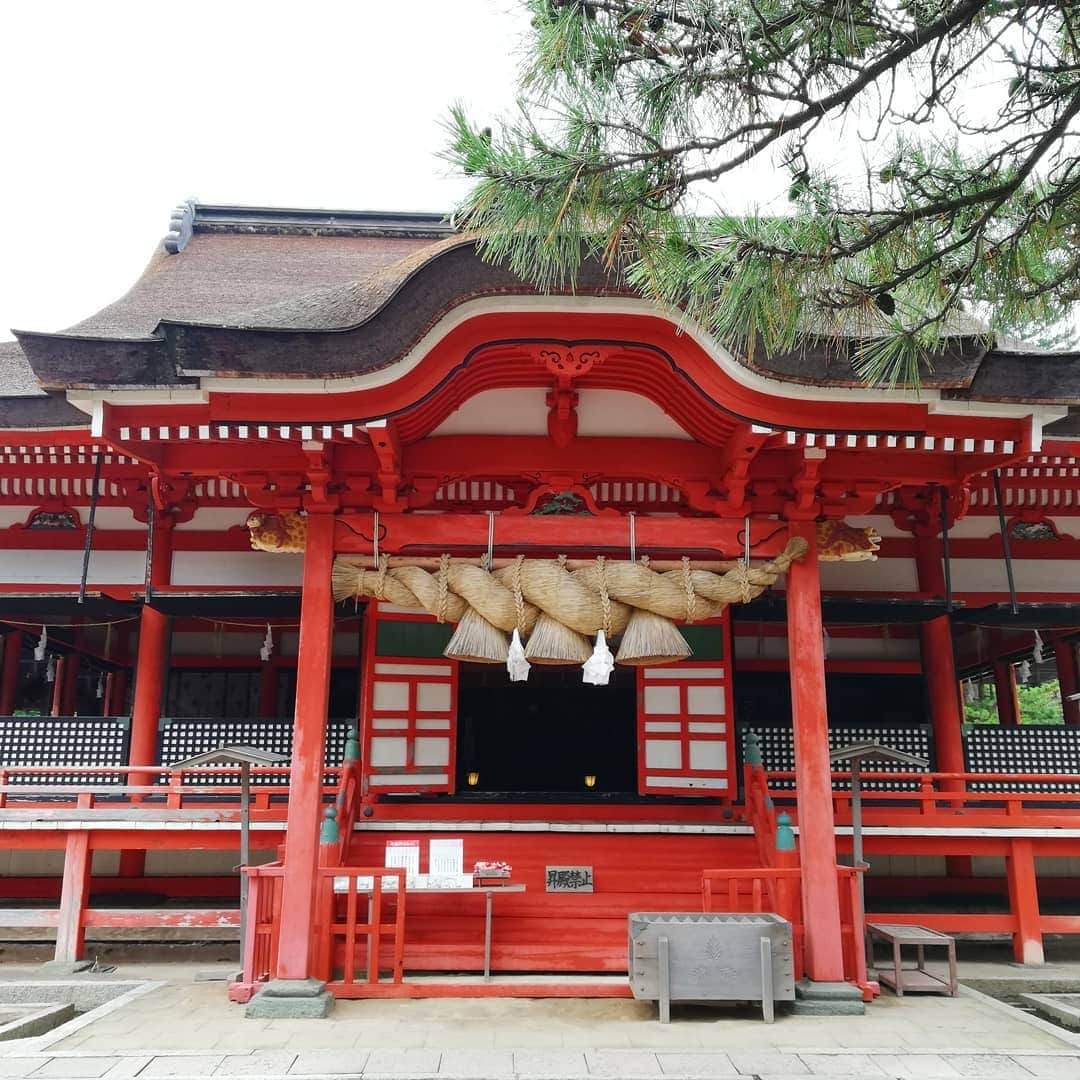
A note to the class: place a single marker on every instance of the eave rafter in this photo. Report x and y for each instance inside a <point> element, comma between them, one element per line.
<point>752,451</point>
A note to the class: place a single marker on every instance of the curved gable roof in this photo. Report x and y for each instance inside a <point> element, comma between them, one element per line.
<point>320,294</point>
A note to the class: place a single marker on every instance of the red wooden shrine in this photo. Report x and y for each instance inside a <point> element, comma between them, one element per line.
<point>371,388</point>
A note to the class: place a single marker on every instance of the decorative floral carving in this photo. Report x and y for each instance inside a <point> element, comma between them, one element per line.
<point>52,519</point>
<point>562,502</point>
<point>54,514</point>
<point>1033,530</point>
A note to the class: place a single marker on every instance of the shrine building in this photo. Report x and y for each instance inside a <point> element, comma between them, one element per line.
<point>548,583</point>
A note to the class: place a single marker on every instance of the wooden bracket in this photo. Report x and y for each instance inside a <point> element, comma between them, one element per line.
<point>805,505</point>
<point>322,492</point>
<point>387,446</point>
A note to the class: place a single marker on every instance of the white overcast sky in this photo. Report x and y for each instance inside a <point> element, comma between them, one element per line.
<point>113,112</point>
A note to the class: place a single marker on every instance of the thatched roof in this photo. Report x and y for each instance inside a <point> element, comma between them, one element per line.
<point>250,291</point>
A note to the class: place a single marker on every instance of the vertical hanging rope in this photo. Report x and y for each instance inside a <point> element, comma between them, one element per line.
<point>90,527</point>
<point>688,588</point>
<point>1005,543</point>
<point>491,539</point>
<point>945,560</point>
<point>443,583</point>
<point>605,599</point>
<point>380,578</point>
<point>746,542</point>
<point>150,515</point>
<point>375,541</point>
<point>633,537</point>
<point>519,596</point>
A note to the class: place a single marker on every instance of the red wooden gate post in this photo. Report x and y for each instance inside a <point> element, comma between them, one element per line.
<point>1008,701</point>
<point>74,890</point>
<point>1068,680</point>
<point>817,840</point>
<point>290,994</point>
<point>1024,903</point>
<point>9,675</point>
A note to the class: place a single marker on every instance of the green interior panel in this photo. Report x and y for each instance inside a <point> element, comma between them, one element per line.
<point>396,637</point>
<point>706,641</point>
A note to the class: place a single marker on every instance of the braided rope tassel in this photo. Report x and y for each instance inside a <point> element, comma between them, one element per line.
<point>442,581</point>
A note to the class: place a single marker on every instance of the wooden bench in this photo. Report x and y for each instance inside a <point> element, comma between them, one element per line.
<point>916,980</point>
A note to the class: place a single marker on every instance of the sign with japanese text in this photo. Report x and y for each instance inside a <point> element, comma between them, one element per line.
<point>568,878</point>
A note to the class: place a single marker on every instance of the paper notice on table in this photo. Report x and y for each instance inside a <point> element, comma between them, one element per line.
<point>365,883</point>
<point>403,854</point>
<point>440,881</point>
<point>447,857</point>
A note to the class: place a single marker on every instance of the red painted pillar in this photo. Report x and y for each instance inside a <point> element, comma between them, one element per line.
<point>74,890</point>
<point>118,693</point>
<point>151,669</point>
<point>59,675</point>
<point>69,693</point>
<point>1024,903</point>
<point>268,687</point>
<point>9,672</point>
<point>817,840</point>
<point>309,738</point>
<point>369,629</point>
<point>939,663</point>
<point>151,663</point>
<point>1008,701</point>
<point>942,684</point>
<point>1068,679</point>
<point>149,684</point>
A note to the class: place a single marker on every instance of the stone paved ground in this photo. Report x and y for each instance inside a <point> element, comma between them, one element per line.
<point>185,1029</point>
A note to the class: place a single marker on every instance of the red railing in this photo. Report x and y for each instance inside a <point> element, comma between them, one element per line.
<point>262,929</point>
<point>356,915</point>
<point>945,794</point>
<point>775,889</point>
<point>778,889</point>
<point>760,813</point>
<point>358,912</point>
<point>175,792</point>
<point>348,796</point>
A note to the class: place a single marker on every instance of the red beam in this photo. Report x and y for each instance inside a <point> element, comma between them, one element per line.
<point>554,533</point>
<point>173,918</point>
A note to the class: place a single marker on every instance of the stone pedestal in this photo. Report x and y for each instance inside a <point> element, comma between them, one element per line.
<point>291,999</point>
<point>65,967</point>
<point>828,999</point>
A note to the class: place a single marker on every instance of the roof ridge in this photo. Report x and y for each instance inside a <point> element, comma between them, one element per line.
<point>192,217</point>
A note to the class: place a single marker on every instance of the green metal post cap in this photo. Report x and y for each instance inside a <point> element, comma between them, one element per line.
<point>785,834</point>
<point>352,745</point>
<point>328,831</point>
<point>751,748</point>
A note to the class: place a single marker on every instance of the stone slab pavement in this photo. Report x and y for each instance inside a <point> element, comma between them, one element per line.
<point>421,1064</point>
<point>174,1027</point>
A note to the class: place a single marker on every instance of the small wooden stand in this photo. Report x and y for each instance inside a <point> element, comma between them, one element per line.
<point>916,980</point>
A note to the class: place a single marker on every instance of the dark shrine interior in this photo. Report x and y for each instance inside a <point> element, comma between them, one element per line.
<point>543,737</point>
<point>546,735</point>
